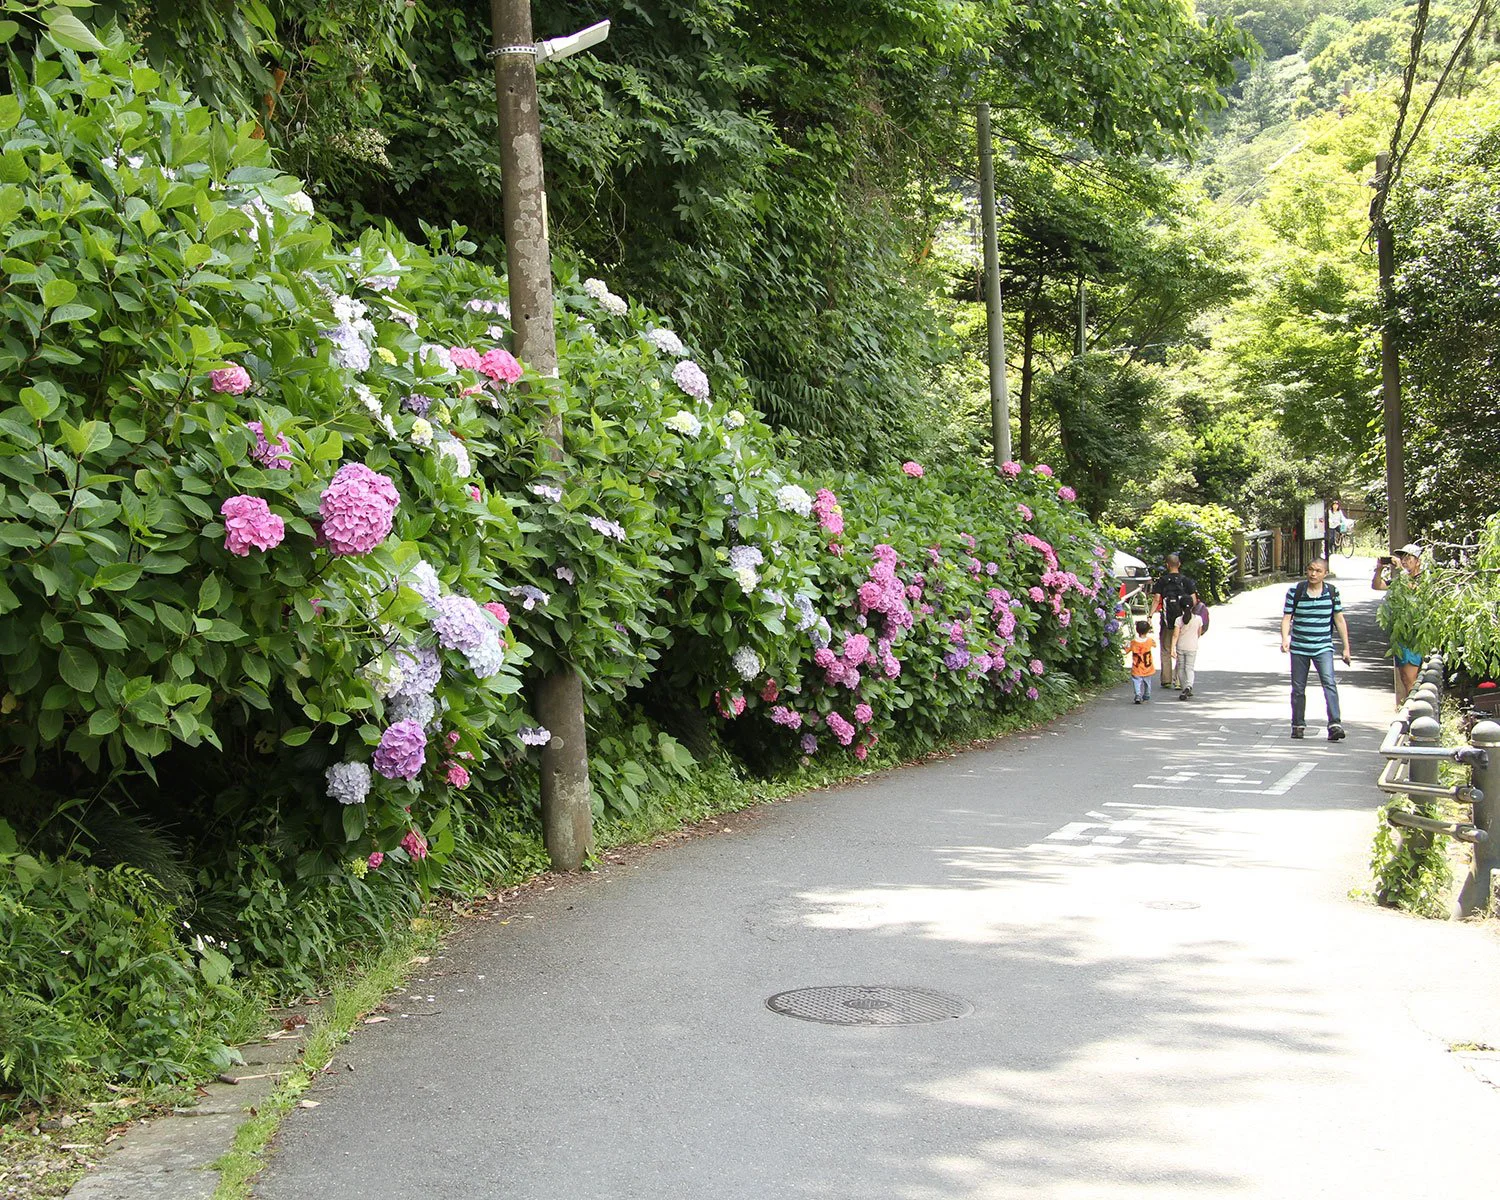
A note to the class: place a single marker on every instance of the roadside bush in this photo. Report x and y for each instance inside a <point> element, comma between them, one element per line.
<point>97,981</point>
<point>1201,534</point>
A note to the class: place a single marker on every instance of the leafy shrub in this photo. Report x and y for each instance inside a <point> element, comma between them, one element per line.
<point>1201,534</point>
<point>96,980</point>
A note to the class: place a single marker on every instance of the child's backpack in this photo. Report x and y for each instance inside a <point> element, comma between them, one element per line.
<point>1202,611</point>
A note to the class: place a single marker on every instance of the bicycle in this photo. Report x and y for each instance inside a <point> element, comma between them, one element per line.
<point>1341,541</point>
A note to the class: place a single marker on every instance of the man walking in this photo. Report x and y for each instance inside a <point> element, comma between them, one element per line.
<point>1309,617</point>
<point>1173,595</point>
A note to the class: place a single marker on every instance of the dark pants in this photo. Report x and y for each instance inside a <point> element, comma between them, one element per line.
<point>1324,664</point>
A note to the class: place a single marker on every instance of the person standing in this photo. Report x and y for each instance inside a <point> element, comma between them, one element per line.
<point>1309,617</point>
<point>1189,630</point>
<point>1408,659</point>
<point>1173,594</point>
<point>1141,666</point>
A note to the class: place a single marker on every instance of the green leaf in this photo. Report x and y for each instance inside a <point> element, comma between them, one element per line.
<point>103,722</point>
<point>72,312</point>
<point>297,736</point>
<point>78,668</point>
<point>354,822</point>
<point>38,403</point>
<point>116,577</point>
<point>58,291</point>
<point>69,32</point>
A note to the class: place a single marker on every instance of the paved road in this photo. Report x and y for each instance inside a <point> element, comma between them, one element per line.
<point>1147,907</point>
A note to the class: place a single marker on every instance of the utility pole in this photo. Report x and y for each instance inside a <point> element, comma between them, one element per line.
<point>1080,340</point>
<point>1390,363</point>
<point>557,699</point>
<point>995,313</point>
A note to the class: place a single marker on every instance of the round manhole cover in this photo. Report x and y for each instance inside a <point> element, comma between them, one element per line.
<point>881,1004</point>
<point>1173,905</point>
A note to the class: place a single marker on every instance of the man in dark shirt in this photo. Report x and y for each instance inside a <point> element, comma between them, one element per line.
<point>1173,594</point>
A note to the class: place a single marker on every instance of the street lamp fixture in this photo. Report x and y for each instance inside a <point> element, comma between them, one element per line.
<point>558,47</point>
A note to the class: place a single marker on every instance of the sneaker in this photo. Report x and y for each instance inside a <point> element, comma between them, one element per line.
<point>1186,694</point>
<point>1137,699</point>
<point>1336,733</point>
<point>1299,731</point>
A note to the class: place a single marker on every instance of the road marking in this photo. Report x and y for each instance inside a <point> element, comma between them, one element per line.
<point>1290,780</point>
<point>1174,782</point>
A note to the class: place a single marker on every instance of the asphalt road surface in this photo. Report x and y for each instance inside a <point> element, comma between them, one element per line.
<point>1144,915</point>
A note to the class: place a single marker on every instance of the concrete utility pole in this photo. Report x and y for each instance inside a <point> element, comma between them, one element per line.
<point>999,385</point>
<point>1390,364</point>
<point>557,699</point>
<point>1080,340</point>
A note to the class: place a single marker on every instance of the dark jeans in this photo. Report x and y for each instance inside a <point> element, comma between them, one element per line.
<point>1324,663</point>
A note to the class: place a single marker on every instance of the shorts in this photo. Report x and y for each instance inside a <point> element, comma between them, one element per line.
<point>1405,657</point>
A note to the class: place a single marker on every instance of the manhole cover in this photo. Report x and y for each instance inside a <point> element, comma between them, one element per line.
<point>878,1005</point>
<point>1173,905</point>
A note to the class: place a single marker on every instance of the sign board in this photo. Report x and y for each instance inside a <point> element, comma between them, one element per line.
<point>1314,521</point>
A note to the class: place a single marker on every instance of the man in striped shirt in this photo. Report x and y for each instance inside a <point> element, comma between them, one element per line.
<point>1309,617</point>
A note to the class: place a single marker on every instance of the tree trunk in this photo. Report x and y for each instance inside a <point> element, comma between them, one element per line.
<point>1028,377</point>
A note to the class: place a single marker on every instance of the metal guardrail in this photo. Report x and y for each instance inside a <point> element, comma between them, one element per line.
<point>1259,557</point>
<point>1412,751</point>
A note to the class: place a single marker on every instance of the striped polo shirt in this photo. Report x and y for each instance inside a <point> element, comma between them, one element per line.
<point>1312,625</point>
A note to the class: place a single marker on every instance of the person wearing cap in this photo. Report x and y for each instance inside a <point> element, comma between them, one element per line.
<point>1408,659</point>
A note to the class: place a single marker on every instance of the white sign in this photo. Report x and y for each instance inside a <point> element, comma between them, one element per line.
<point>1314,521</point>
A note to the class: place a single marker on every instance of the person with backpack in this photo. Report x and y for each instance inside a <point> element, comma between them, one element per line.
<point>1172,595</point>
<point>1309,617</point>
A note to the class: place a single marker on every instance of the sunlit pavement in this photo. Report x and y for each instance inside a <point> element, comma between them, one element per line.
<point>1148,909</point>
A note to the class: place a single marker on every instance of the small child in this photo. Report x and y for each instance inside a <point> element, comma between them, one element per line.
<point>1142,660</point>
<point>1188,631</point>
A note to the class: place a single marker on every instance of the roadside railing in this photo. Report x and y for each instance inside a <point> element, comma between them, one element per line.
<point>1260,559</point>
<point>1413,752</point>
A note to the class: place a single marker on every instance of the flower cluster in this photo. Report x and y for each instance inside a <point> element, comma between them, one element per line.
<point>793,499</point>
<point>348,782</point>
<point>358,509</point>
<point>689,376</point>
<point>402,750</point>
<point>233,380</point>
<point>599,291</point>
<point>666,341</point>
<point>684,423</point>
<point>913,469</point>
<point>829,512</point>
<point>249,524</point>
<point>275,456</point>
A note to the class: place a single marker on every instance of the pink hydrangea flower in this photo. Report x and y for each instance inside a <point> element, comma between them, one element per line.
<point>457,776</point>
<point>864,714</point>
<point>1026,513</point>
<point>1035,667</point>
<point>499,365</point>
<point>402,750</point>
<point>1044,470</point>
<point>375,860</point>
<point>1066,494</point>
<point>233,379</point>
<point>249,524</point>
<point>770,692</point>
<point>782,715</point>
<point>498,611</point>
<point>475,494</point>
<point>1032,693</point>
<point>1011,468</point>
<point>465,356</point>
<point>913,469</point>
<point>415,844</point>
<point>840,728</point>
<point>275,456</point>
<point>861,752</point>
<point>358,508</point>
<point>1036,594</point>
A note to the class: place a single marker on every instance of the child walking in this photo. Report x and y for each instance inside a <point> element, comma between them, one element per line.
<point>1189,630</point>
<point>1142,660</point>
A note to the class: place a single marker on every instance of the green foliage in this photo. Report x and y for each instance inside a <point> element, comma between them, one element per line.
<point>98,982</point>
<point>1452,609</point>
<point>1103,408</point>
<point>1201,535</point>
<point>1410,867</point>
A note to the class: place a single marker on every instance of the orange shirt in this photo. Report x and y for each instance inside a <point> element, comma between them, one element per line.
<point>1143,656</point>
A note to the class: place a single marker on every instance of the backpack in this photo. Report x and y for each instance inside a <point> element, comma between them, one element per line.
<point>1202,611</point>
<point>1299,594</point>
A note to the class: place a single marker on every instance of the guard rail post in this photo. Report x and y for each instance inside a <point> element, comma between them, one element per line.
<point>1424,731</point>
<point>1478,894</point>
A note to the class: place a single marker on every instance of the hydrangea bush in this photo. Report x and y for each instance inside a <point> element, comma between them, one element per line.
<point>282,533</point>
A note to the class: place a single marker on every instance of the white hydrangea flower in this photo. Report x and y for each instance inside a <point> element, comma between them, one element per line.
<point>347,310</point>
<point>794,499</point>
<point>299,201</point>
<point>614,305</point>
<point>748,579</point>
<point>734,419</point>
<point>421,432</point>
<point>456,453</point>
<point>746,662</point>
<point>666,341</point>
<point>685,423</point>
<point>429,352</point>
<point>597,289</point>
<point>348,782</point>
<point>423,580</point>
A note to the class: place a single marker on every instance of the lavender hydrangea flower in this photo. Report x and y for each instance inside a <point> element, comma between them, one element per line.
<point>421,669</point>
<point>565,574</point>
<point>417,404</point>
<point>546,491</point>
<point>530,596</point>
<point>402,750</point>
<point>419,708</point>
<point>423,580</point>
<point>460,624</point>
<point>689,376</point>
<point>741,557</point>
<point>534,735</point>
<point>348,782</point>
<point>808,744</point>
<point>349,349</point>
<point>488,657</point>
<point>611,529</point>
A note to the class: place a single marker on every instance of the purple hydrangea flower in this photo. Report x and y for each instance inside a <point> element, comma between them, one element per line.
<point>611,529</point>
<point>421,669</point>
<point>809,744</point>
<point>423,580</point>
<point>402,750</point>
<point>417,404</point>
<point>689,376</point>
<point>534,735</point>
<point>460,623</point>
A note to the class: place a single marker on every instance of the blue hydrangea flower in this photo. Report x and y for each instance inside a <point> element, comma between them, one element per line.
<point>459,623</point>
